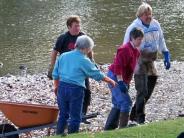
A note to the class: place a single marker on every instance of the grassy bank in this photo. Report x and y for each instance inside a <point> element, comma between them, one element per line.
<point>163,129</point>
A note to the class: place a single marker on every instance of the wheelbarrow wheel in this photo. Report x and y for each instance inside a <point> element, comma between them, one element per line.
<point>5,128</point>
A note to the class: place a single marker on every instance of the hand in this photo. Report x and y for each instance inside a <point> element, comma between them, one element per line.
<point>110,81</point>
<point>56,91</point>
<point>90,56</point>
<point>167,64</point>
<point>166,59</point>
<point>49,74</point>
<point>123,86</point>
<point>113,83</point>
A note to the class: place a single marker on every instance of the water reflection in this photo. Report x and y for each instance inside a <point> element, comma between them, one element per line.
<point>29,28</point>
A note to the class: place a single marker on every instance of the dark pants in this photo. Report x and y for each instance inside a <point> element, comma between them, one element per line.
<point>113,119</point>
<point>87,97</point>
<point>70,99</point>
<point>144,85</point>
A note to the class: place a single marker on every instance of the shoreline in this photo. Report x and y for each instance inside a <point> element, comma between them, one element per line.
<point>166,102</point>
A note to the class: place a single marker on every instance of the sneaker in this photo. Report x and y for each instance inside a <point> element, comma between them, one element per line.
<point>132,124</point>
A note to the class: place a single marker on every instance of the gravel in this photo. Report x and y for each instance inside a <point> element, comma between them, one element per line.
<point>166,102</point>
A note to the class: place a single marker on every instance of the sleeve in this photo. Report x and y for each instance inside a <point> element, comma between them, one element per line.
<point>59,43</point>
<point>162,44</point>
<point>91,70</point>
<point>55,73</point>
<point>127,34</point>
<point>121,61</point>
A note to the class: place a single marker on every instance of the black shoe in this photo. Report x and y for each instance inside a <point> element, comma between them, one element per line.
<point>86,122</point>
<point>141,119</point>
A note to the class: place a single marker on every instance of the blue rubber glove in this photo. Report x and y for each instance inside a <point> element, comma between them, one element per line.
<point>167,59</point>
<point>123,86</point>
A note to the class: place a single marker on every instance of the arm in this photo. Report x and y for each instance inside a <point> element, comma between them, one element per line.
<point>92,71</point>
<point>122,85</point>
<point>127,34</point>
<point>55,76</point>
<point>56,49</point>
<point>90,55</point>
<point>109,80</point>
<point>163,48</point>
<point>120,68</point>
<point>56,84</point>
<point>120,62</point>
<point>161,42</point>
<point>52,62</point>
<point>166,55</point>
<point>53,57</point>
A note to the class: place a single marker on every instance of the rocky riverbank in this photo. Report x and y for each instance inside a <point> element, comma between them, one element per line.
<point>166,102</point>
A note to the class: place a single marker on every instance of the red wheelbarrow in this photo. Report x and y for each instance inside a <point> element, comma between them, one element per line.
<point>28,117</point>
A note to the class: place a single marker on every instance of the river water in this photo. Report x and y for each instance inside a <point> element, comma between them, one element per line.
<point>29,28</point>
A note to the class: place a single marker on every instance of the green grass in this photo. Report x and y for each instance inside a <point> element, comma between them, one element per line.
<point>163,129</point>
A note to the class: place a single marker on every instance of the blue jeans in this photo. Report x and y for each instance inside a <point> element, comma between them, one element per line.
<point>70,99</point>
<point>120,100</point>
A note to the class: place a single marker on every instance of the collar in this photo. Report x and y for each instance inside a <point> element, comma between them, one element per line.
<point>141,22</point>
<point>79,52</point>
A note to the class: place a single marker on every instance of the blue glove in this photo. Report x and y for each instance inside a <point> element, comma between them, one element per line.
<point>167,59</point>
<point>123,86</point>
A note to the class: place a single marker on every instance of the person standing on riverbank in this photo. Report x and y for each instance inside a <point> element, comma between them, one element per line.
<point>121,71</point>
<point>65,43</point>
<point>146,73</point>
<point>69,74</point>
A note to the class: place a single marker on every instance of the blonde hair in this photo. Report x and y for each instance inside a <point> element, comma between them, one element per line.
<point>143,8</point>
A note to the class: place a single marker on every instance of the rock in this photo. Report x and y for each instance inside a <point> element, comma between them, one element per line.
<point>166,102</point>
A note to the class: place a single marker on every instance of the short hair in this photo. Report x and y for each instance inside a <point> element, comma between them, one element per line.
<point>83,42</point>
<point>135,33</point>
<point>72,19</point>
<point>143,8</point>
